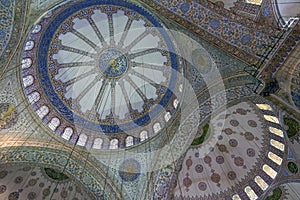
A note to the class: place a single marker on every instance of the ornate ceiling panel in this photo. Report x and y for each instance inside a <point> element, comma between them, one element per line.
<point>105,98</point>
<point>240,152</point>
<point>7,11</point>
<point>102,71</point>
<point>35,182</point>
<point>59,168</point>
<point>242,38</point>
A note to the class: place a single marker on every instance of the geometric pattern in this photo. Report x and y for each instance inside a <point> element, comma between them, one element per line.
<point>7,11</point>
<point>234,32</point>
<point>99,84</point>
<point>236,153</point>
<point>30,182</point>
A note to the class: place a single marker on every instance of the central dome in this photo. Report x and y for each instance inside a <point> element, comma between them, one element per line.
<point>105,69</point>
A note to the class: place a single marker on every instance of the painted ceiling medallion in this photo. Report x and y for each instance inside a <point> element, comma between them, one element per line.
<point>104,68</point>
<point>129,170</point>
<point>113,63</point>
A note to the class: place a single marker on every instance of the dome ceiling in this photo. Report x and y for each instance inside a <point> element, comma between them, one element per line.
<point>98,72</point>
<point>35,182</point>
<point>100,100</point>
<point>241,157</point>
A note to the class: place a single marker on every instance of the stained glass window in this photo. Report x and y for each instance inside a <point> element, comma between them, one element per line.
<point>54,123</point>
<point>175,103</point>
<point>82,139</point>
<point>129,141</point>
<point>261,183</point>
<point>34,97</point>
<point>42,111</point>
<point>27,81</point>
<point>277,144</point>
<point>271,172</point>
<point>67,133</point>
<point>236,197</point>
<point>98,143</point>
<point>26,63</point>
<point>167,116</point>
<point>276,131</point>
<point>37,29</point>
<point>143,135</point>
<point>156,127</point>
<point>250,193</point>
<point>114,144</point>
<point>29,45</point>
<point>264,107</point>
<point>275,158</point>
<point>271,119</point>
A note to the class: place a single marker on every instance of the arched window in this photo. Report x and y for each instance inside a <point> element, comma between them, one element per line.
<point>276,159</point>
<point>261,183</point>
<point>180,88</point>
<point>175,103</point>
<point>27,81</point>
<point>271,119</point>
<point>129,141</point>
<point>82,139</point>
<point>236,197</point>
<point>256,2</point>
<point>276,131</point>
<point>264,107</point>
<point>37,28</point>
<point>29,45</point>
<point>34,97</point>
<point>143,135</point>
<point>156,127</point>
<point>54,123</point>
<point>114,144</point>
<point>167,116</point>
<point>98,143</point>
<point>67,133</point>
<point>270,171</point>
<point>42,111</point>
<point>277,145</point>
<point>250,193</point>
<point>26,63</point>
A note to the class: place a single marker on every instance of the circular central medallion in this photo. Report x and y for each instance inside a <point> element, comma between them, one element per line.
<point>113,63</point>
